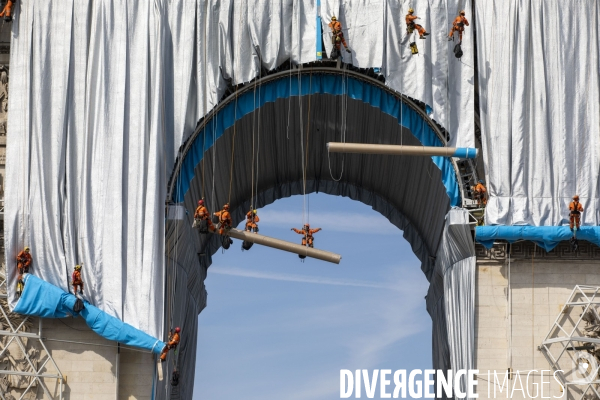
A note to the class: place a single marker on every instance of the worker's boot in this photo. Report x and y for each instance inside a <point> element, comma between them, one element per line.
<point>348,50</point>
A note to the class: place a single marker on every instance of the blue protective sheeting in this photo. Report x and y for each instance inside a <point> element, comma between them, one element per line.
<point>547,237</point>
<point>317,84</point>
<point>43,299</point>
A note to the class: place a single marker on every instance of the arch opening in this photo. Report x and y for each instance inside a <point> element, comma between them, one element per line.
<point>288,149</point>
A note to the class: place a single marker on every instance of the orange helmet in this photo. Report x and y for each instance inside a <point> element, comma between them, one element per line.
<point>576,197</point>
<point>200,202</point>
<point>226,206</point>
<point>178,329</point>
<point>306,226</point>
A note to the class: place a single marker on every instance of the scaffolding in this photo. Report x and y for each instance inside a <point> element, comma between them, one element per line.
<point>572,346</point>
<point>26,365</point>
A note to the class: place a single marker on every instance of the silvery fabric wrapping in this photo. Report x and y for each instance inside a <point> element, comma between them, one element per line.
<point>85,163</point>
<point>451,296</point>
<point>539,91</point>
<point>376,34</point>
<point>103,93</point>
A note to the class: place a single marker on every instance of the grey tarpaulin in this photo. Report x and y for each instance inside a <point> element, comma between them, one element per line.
<point>451,296</point>
<point>539,91</point>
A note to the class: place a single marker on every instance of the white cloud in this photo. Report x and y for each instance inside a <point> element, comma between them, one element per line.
<point>337,221</point>
<point>246,273</point>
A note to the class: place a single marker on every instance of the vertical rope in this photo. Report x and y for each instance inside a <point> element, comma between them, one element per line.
<point>235,109</point>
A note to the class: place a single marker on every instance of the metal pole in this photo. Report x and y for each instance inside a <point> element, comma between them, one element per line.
<point>388,149</point>
<point>285,246</point>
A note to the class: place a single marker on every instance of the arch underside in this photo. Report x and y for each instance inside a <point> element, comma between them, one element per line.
<point>412,192</point>
<point>407,190</point>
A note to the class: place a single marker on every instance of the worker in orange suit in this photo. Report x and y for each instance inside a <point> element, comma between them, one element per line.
<point>173,342</point>
<point>575,209</point>
<point>23,261</point>
<point>480,193</point>
<point>224,219</point>
<point>411,25</point>
<point>7,10</point>
<point>308,234</point>
<point>252,221</point>
<point>458,26</point>
<point>337,36</point>
<point>202,214</point>
<point>76,280</point>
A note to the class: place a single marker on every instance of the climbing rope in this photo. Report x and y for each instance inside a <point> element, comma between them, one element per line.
<point>235,110</point>
<point>287,132</point>
<point>344,114</point>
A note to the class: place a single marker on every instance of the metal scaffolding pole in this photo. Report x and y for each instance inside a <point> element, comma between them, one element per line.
<point>388,149</point>
<point>285,246</point>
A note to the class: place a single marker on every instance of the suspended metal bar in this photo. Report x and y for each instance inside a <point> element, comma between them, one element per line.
<point>388,149</point>
<point>285,246</point>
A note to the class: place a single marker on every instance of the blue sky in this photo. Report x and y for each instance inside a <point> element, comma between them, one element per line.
<point>277,328</point>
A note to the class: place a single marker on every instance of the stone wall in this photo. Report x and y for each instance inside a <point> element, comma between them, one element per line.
<point>540,284</point>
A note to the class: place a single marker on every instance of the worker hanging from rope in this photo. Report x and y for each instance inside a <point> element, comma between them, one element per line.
<point>202,218</point>
<point>575,209</point>
<point>171,344</point>
<point>480,194</point>
<point>411,26</point>
<point>252,221</point>
<point>458,26</point>
<point>76,280</point>
<point>7,10</point>
<point>307,239</point>
<point>337,37</point>
<point>23,263</point>
<point>224,219</point>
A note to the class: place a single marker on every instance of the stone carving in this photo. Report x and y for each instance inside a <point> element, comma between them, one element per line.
<point>529,250</point>
<point>3,99</point>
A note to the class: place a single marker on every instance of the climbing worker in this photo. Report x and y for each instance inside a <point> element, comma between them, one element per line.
<point>224,219</point>
<point>337,36</point>
<point>480,193</point>
<point>458,26</point>
<point>23,261</point>
<point>411,25</point>
<point>575,209</point>
<point>252,221</point>
<point>6,11</point>
<point>172,343</point>
<point>308,234</point>
<point>76,280</point>
<point>202,218</point>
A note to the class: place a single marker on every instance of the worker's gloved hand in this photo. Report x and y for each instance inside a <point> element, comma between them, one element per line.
<point>348,50</point>
<point>292,229</point>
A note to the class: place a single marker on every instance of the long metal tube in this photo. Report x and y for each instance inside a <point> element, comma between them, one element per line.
<point>388,149</point>
<point>285,246</point>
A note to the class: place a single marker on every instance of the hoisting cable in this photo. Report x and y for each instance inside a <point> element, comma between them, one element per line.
<point>302,147</point>
<point>307,136</point>
<point>258,133</point>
